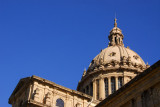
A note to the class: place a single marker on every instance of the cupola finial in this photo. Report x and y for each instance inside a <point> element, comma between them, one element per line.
<point>115,22</point>
<point>115,36</point>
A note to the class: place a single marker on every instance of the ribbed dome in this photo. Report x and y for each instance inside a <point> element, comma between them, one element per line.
<point>116,55</point>
<point>119,55</point>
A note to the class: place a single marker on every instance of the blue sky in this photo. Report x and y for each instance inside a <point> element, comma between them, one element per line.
<point>57,39</point>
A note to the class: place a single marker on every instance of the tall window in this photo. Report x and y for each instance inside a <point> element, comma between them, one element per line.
<point>113,84</point>
<point>91,89</point>
<point>87,90</point>
<point>119,82</point>
<point>59,103</point>
<point>97,82</point>
<point>115,40</point>
<point>106,86</point>
<point>84,91</point>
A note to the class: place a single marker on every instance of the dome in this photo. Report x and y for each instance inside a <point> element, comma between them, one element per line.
<point>118,56</point>
<point>112,68</point>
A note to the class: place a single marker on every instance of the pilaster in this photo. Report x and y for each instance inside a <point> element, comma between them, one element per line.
<point>101,89</point>
<point>109,85</point>
<point>116,78</point>
<point>94,89</point>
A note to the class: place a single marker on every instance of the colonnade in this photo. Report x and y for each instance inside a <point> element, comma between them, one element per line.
<point>105,86</point>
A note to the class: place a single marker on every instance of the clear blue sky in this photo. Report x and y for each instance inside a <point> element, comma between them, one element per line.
<point>57,39</point>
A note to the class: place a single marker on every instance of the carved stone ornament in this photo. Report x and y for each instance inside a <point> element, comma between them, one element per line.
<point>112,54</point>
<point>36,94</point>
<point>48,95</point>
<point>36,91</point>
<point>101,67</point>
<point>47,99</point>
<point>124,59</point>
<point>136,65</point>
<point>135,57</point>
<point>95,69</point>
<point>109,65</point>
<point>129,59</point>
<point>101,60</point>
<point>84,73</point>
<point>114,62</point>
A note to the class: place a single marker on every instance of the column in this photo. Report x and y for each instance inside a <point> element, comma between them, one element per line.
<point>109,85</point>
<point>101,89</point>
<point>116,82</point>
<point>94,89</point>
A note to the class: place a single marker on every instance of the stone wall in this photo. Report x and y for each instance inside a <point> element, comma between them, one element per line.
<point>47,95</point>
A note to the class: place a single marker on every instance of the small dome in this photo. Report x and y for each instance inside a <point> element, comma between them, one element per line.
<point>119,55</point>
<point>116,30</point>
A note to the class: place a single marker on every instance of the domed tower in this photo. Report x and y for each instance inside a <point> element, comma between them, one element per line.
<point>113,67</point>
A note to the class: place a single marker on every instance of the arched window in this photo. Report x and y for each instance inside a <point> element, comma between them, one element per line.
<point>97,82</point>
<point>113,84</point>
<point>84,91</point>
<point>59,103</point>
<point>106,87</point>
<point>87,90</point>
<point>115,40</point>
<point>91,89</point>
<point>119,82</point>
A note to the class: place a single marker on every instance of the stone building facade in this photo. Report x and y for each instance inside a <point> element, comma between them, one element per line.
<point>104,81</point>
<point>38,92</point>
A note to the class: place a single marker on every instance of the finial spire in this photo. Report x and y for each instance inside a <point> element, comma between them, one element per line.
<point>115,23</point>
<point>84,73</point>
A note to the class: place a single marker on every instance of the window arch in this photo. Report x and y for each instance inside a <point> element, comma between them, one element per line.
<point>115,40</point>
<point>113,87</point>
<point>119,82</point>
<point>97,82</point>
<point>87,90</point>
<point>91,89</point>
<point>59,103</point>
<point>106,87</point>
